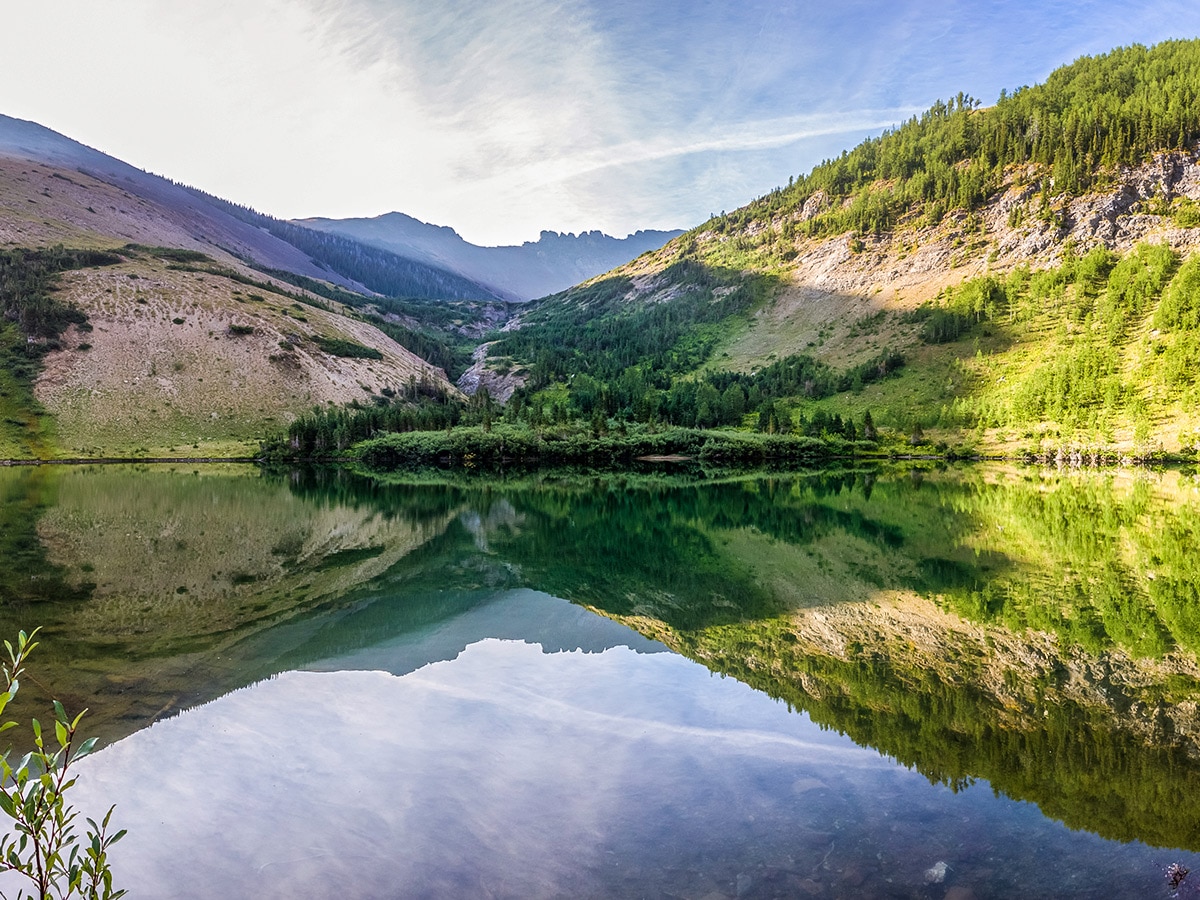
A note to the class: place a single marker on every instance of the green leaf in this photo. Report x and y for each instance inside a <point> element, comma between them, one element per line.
<point>85,748</point>
<point>60,713</point>
<point>60,733</point>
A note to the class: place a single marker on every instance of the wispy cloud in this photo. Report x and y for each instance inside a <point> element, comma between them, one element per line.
<point>503,117</point>
<point>766,135</point>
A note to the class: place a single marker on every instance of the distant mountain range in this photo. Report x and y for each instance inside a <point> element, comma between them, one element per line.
<point>178,323</point>
<point>534,269</point>
<point>394,255</point>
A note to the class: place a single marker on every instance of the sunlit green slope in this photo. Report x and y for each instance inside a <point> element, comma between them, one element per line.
<point>1027,262</point>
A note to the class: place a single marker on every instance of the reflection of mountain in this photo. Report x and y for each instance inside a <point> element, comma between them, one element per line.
<point>384,635</point>
<point>176,558</point>
<point>165,574</point>
<point>841,594</point>
<point>1071,717</point>
<point>1032,631</point>
<point>957,702</point>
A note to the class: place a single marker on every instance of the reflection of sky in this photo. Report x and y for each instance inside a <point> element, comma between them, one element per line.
<point>513,772</point>
<point>507,767</point>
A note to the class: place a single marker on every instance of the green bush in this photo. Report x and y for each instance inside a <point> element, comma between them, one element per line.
<point>346,349</point>
<point>44,846</point>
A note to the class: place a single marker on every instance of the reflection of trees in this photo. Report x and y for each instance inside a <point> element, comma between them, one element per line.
<point>26,575</point>
<point>1080,764</point>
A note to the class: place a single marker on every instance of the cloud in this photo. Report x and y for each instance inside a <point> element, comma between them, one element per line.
<point>553,115</point>
<point>765,135</point>
<point>504,117</point>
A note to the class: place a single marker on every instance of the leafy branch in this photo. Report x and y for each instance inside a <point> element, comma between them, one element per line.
<point>43,844</point>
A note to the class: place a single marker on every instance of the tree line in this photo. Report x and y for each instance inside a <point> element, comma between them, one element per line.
<point>1088,118</point>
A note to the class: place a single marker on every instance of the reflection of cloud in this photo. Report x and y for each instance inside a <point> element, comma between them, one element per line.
<point>311,783</point>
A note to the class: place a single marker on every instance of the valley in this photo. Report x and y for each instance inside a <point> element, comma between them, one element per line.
<point>959,284</point>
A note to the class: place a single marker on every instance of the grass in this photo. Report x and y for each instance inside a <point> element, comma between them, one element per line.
<point>978,388</point>
<point>26,431</point>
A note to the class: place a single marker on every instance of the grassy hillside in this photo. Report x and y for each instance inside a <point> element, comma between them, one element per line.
<point>163,352</point>
<point>1009,276</point>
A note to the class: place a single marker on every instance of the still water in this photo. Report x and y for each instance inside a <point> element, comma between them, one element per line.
<point>901,683</point>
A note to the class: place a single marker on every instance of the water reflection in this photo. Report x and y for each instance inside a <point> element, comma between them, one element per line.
<point>1033,630</point>
<point>512,772</point>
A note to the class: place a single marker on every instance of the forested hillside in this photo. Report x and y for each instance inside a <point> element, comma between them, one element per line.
<point>1010,276</point>
<point>1086,121</point>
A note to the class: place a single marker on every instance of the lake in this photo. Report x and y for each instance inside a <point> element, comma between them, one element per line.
<point>906,681</point>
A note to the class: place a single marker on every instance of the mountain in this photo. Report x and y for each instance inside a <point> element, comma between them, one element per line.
<point>1019,277</point>
<point>78,196</point>
<point>550,264</point>
<point>170,326</point>
<point>150,209</point>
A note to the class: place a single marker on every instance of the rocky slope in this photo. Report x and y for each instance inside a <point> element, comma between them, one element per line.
<point>829,284</point>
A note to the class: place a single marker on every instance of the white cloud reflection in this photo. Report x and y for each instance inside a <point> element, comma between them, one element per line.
<point>506,767</point>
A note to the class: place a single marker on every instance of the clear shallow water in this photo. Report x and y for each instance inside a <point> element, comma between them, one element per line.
<point>360,691</point>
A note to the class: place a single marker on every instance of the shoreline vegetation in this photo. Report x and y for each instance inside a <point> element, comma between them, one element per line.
<point>632,446</point>
<point>504,446</point>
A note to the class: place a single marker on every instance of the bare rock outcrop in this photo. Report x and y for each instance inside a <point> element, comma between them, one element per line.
<point>500,381</point>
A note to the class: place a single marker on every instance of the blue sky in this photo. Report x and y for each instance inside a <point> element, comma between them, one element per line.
<point>504,117</point>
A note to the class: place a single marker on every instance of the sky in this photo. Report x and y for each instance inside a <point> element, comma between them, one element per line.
<point>502,118</point>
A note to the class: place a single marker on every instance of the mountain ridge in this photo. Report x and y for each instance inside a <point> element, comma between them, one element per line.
<point>524,271</point>
<point>193,219</point>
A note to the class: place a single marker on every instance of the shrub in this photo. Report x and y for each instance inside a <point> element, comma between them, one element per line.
<point>346,349</point>
<point>44,847</point>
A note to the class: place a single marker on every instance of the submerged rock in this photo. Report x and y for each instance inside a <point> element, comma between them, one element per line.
<point>936,873</point>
